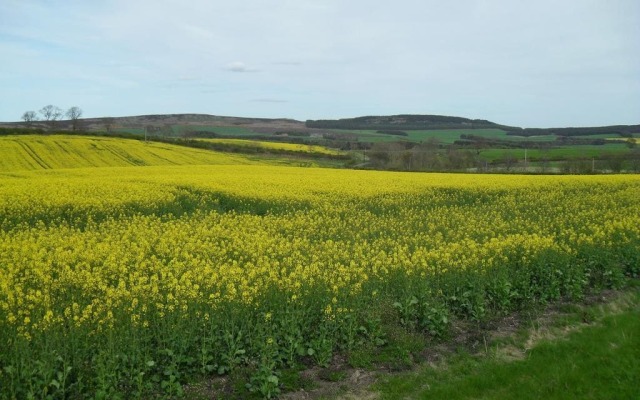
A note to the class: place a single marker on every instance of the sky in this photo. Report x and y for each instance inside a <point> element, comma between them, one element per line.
<point>544,63</point>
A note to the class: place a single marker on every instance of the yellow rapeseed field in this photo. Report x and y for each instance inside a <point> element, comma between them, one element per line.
<point>291,147</point>
<point>124,281</point>
<point>36,152</point>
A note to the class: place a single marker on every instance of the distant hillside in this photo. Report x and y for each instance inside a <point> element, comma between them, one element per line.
<point>160,120</point>
<point>399,123</point>
<point>406,122</point>
<point>196,119</point>
<point>207,125</point>
<point>621,130</point>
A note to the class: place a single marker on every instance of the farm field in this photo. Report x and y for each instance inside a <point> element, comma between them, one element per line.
<point>137,281</point>
<point>560,153</point>
<point>633,139</point>
<point>617,149</point>
<point>288,147</point>
<point>445,136</point>
<point>33,152</point>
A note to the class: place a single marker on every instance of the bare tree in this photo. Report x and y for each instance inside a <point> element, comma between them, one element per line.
<point>187,131</point>
<point>509,160</point>
<point>74,114</point>
<point>615,163</point>
<point>151,130</point>
<point>50,114</point>
<point>29,117</point>
<point>426,155</point>
<point>166,130</point>
<point>635,159</point>
<point>108,123</point>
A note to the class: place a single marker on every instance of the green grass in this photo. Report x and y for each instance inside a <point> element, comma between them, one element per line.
<point>568,152</point>
<point>134,131</point>
<point>451,135</point>
<point>597,362</point>
<point>445,136</point>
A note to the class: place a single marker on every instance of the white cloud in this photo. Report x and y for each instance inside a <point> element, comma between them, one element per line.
<point>239,66</point>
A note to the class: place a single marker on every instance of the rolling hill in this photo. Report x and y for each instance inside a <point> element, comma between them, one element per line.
<point>34,152</point>
<point>404,127</point>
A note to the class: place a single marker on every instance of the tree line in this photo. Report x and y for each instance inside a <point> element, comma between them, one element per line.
<point>50,114</point>
<point>621,130</point>
<point>432,155</point>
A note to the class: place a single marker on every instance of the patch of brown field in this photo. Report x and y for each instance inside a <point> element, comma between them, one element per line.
<point>356,385</point>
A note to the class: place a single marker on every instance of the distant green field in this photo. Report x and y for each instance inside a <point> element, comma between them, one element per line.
<point>451,135</point>
<point>568,152</point>
<point>445,136</point>
<point>135,131</point>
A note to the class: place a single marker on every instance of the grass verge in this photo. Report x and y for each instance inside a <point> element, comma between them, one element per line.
<point>586,352</point>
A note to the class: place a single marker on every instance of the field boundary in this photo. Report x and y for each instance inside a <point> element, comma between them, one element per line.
<point>506,339</point>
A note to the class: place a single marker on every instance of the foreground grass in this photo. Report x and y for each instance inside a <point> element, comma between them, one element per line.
<point>599,361</point>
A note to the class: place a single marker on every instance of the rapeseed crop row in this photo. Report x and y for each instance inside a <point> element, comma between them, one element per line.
<point>34,152</point>
<point>291,147</point>
<point>131,282</point>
